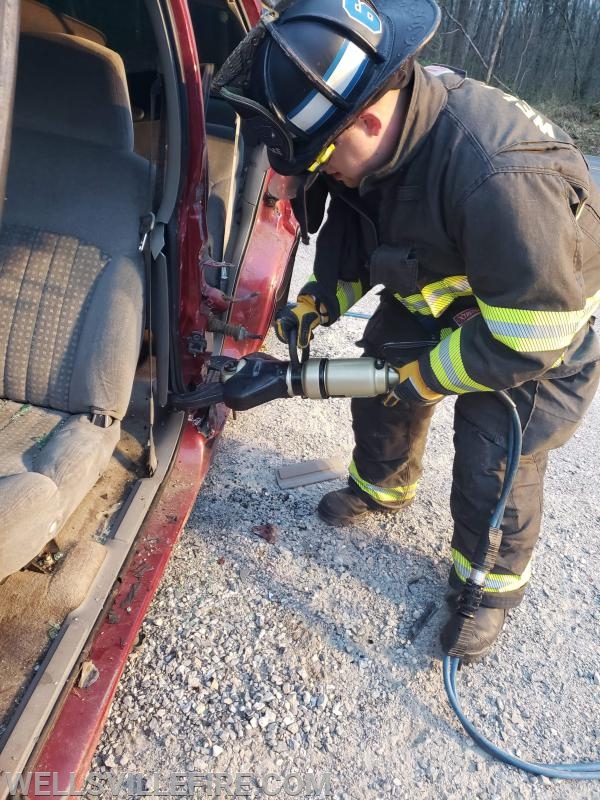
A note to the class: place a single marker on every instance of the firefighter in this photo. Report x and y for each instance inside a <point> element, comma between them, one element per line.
<point>478,217</point>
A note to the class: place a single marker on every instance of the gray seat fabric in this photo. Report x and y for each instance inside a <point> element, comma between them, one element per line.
<point>91,102</point>
<point>71,285</point>
<point>39,484</point>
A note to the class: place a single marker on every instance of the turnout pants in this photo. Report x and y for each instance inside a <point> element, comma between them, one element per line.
<point>390,443</point>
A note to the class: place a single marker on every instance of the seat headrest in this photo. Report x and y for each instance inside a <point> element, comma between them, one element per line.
<point>38,18</point>
<point>73,87</point>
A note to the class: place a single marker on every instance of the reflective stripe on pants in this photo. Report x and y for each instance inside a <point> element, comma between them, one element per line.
<point>494,582</point>
<point>384,496</point>
<point>389,441</point>
<point>550,412</point>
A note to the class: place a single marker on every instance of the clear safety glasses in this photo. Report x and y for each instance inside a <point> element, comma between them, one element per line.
<point>289,187</point>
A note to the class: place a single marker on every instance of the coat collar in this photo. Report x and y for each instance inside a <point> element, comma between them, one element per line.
<point>429,98</point>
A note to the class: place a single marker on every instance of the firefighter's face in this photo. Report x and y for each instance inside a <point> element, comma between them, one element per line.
<point>370,142</point>
<point>354,151</point>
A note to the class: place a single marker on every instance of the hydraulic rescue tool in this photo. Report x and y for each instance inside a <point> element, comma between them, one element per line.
<point>259,378</point>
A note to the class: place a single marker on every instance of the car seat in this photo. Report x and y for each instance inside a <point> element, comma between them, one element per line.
<point>71,285</point>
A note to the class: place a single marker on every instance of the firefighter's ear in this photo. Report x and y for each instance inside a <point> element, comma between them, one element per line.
<point>370,122</point>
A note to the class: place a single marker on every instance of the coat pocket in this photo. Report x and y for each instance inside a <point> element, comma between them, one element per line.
<point>396,268</point>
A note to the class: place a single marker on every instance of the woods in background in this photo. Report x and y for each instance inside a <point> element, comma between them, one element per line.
<point>539,49</point>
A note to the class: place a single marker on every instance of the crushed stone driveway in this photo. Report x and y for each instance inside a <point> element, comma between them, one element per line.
<point>317,653</point>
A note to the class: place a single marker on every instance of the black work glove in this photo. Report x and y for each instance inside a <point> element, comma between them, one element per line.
<point>302,316</point>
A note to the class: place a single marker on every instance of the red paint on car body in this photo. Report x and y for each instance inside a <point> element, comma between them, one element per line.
<point>70,746</point>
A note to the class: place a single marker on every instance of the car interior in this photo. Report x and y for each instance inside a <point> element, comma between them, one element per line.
<point>92,130</point>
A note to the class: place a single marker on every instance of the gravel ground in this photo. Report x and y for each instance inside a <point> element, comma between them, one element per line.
<point>318,652</point>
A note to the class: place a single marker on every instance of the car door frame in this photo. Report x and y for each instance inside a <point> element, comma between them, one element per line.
<point>9,37</point>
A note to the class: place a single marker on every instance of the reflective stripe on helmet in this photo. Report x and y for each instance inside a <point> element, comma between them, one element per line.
<point>342,76</point>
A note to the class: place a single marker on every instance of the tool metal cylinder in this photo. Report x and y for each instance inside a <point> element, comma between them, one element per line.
<point>350,377</point>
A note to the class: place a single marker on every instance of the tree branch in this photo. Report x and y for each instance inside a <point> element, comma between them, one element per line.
<point>576,91</point>
<point>476,49</point>
<point>499,39</point>
<point>523,53</point>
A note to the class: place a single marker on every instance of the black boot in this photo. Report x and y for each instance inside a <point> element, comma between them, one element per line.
<point>478,634</point>
<point>342,507</point>
<point>452,597</point>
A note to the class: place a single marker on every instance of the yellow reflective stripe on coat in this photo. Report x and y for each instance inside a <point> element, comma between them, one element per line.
<point>397,495</point>
<point>494,582</point>
<point>442,294</point>
<point>415,303</point>
<point>447,365</point>
<point>536,331</point>
<point>435,298</point>
<point>348,293</point>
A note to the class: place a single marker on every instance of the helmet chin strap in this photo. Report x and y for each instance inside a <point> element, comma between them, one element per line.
<point>298,203</point>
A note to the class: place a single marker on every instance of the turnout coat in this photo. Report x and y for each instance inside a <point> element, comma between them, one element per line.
<point>485,225</point>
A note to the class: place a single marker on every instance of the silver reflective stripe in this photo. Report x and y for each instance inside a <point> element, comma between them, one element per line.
<point>415,304</point>
<point>398,494</point>
<point>348,294</point>
<point>442,294</point>
<point>494,582</point>
<point>342,76</point>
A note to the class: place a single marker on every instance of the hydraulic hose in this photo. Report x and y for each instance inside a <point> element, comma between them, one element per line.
<point>451,664</point>
<point>578,771</point>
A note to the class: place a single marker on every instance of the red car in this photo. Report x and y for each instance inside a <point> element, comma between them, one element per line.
<point>138,242</point>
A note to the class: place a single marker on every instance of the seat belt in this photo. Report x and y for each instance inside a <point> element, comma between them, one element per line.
<point>147,226</point>
<point>152,241</point>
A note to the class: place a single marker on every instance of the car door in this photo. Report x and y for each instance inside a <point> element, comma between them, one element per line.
<point>243,240</point>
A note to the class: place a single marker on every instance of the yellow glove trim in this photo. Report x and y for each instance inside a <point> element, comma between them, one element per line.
<point>303,316</point>
<point>411,373</point>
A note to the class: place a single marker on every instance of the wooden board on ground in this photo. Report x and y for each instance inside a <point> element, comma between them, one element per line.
<point>305,473</point>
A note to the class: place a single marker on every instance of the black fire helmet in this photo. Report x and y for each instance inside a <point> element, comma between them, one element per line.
<point>304,73</point>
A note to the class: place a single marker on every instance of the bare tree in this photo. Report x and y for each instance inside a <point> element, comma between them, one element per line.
<point>543,48</point>
<point>498,42</point>
<point>476,49</point>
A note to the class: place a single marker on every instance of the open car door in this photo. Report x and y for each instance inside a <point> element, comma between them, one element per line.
<point>9,36</point>
<point>138,241</point>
